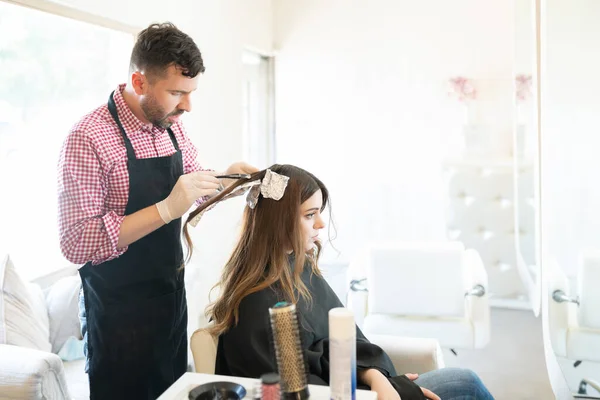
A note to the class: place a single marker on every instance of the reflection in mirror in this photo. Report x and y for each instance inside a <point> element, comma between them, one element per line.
<point>570,192</point>
<point>492,189</point>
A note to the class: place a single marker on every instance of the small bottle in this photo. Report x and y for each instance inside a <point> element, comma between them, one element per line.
<point>257,391</point>
<point>270,386</point>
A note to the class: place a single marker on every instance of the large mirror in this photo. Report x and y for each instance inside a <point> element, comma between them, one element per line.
<point>570,215</point>
<point>420,123</point>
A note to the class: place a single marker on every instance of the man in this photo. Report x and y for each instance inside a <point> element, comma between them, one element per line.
<point>127,173</point>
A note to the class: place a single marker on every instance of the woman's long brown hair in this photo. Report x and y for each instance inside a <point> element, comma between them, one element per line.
<point>260,257</point>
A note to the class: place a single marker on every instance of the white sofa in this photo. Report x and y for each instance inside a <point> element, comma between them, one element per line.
<point>36,319</point>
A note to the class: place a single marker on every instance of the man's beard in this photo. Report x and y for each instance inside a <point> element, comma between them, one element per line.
<point>156,114</point>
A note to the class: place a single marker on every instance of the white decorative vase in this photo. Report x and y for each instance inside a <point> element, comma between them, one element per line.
<point>473,135</point>
<point>476,140</point>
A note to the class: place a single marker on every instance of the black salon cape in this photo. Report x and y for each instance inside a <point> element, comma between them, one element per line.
<point>246,349</point>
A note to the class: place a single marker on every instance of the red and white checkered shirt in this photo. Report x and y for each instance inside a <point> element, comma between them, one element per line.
<point>93,182</point>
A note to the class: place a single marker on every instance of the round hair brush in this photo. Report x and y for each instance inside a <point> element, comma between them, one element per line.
<point>291,363</point>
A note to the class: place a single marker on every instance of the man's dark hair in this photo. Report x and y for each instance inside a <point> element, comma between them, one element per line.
<point>161,45</point>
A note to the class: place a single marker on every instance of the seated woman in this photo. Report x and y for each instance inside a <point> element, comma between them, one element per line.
<point>276,259</point>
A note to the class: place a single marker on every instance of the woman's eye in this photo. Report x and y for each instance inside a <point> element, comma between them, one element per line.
<point>310,216</point>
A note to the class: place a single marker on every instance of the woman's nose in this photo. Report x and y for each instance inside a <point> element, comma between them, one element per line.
<point>319,223</point>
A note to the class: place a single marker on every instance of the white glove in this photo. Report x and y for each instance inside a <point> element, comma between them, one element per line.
<point>189,188</point>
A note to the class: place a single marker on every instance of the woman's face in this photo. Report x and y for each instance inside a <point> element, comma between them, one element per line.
<point>311,220</point>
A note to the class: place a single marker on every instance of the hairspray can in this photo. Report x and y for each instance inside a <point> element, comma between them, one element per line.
<point>342,354</point>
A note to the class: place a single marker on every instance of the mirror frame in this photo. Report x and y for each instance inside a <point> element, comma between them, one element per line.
<point>555,375</point>
<point>532,286</point>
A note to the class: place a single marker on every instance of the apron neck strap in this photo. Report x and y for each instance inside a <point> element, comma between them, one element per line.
<point>173,139</point>
<point>112,108</point>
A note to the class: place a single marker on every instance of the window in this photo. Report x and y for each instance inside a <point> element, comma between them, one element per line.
<point>259,133</point>
<point>54,71</point>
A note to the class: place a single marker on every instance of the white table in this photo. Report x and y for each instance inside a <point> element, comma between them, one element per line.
<point>189,380</point>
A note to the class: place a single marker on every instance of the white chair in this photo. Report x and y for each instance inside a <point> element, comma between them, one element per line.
<point>574,320</point>
<point>574,316</point>
<point>421,289</point>
<point>407,354</point>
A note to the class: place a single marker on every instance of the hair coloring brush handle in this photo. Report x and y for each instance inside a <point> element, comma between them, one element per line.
<point>234,176</point>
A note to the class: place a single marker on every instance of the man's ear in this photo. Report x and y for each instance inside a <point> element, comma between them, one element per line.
<point>139,82</point>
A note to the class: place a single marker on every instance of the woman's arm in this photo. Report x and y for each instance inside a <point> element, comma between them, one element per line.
<point>378,383</point>
<point>367,376</point>
<point>384,389</point>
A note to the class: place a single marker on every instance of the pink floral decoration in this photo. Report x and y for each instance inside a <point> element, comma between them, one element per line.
<point>523,86</point>
<point>462,88</point>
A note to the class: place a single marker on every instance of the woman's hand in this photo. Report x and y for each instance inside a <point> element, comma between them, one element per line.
<point>384,389</point>
<point>428,393</point>
<point>379,384</point>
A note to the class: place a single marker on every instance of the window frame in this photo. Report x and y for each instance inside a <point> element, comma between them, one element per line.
<point>63,10</point>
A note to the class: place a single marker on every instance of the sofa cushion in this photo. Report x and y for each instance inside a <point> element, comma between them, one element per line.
<point>31,374</point>
<point>62,301</point>
<point>23,314</point>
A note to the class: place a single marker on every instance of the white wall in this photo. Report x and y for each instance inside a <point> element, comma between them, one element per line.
<point>222,29</point>
<point>361,102</point>
<point>571,130</point>
<point>524,36</point>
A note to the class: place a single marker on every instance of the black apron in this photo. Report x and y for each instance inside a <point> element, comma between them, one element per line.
<point>135,305</point>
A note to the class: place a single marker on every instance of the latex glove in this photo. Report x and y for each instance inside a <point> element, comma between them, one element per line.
<point>189,188</point>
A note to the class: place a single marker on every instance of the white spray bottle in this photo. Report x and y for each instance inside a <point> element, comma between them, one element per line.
<point>342,354</point>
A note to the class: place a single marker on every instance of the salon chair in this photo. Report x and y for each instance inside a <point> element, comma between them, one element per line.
<point>574,318</point>
<point>432,290</point>
<point>409,355</point>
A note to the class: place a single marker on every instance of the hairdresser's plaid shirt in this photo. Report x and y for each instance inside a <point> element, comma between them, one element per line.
<point>93,181</point>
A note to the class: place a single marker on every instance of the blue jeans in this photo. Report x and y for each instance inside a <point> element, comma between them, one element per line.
<point>83,322</point>
<point>454,384</point>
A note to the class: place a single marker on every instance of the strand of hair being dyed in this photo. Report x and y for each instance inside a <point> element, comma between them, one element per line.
<point>213,200</point>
